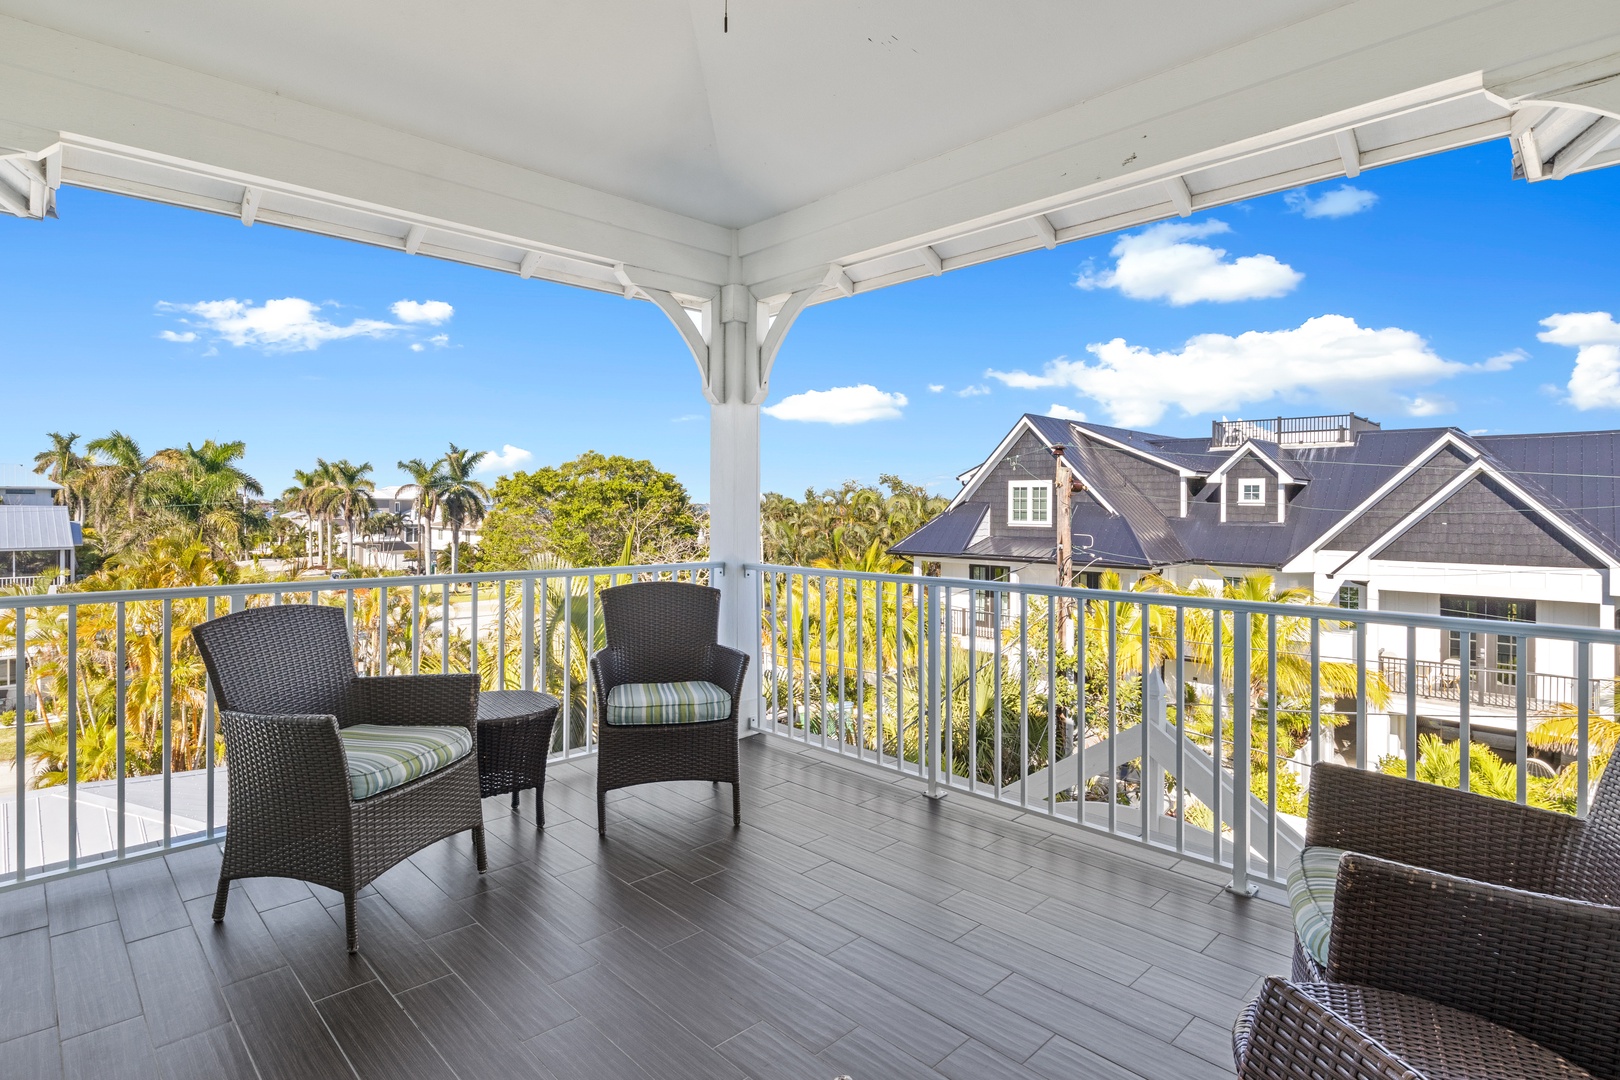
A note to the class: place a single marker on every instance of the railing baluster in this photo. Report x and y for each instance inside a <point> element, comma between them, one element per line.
<point>72,616</point>
<point>1242,657</point>
<point>1411,703</point>
<point>121,664</point>
<point>860,666</point>
<point>567,662</point>
<point>1521,711</point>
<point>1465,735</point>
<point>168,720</point>
<point>209,724</point>
<point>500,633</point>
<point>878,729</point>
<point>917,599</point>
<point>821,700</point>
<point>995,670</point>
<point>1113,715</point>
<point>1181,730</point>
<point>1271,745</point>
<point>590,646</point>
<point>541,682</point>
<point>416,629</point>
<point>1023,699</point>
<point>1149,782</point>
<point>948,740</point>
<point>1583,715</point>
<point>843,736</point>
<point>1081,776</point>
<point>776,656</point>
<point>1361,695</point>
<point>1217,715</point>
<point>1316,691</point>
<point>472,640</point>
<point>19,721</point>
<point>444,628</point>
<point>973,691</point>
<point>931,731</point>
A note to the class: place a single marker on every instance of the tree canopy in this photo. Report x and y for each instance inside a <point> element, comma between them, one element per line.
<point>583,511</point>
<point>848,527</point>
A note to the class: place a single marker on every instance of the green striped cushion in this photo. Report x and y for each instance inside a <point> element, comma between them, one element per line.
<point>1310,895</point>
<point>667,703</point>
<point>383,756</point>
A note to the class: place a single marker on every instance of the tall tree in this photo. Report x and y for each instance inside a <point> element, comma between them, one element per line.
<point>582,512</point>
<point>462,498</point>
<point>350,493</point>
<point>428,480</point>
<point>63,465</point>
<point>123,469</point>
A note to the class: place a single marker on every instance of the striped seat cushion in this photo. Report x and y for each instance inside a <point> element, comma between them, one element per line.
<point>383,756</point>
<point>1310,895</point>
<point>667,703</point>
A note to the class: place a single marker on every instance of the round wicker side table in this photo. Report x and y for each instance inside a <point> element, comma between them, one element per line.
<point>514,737</point>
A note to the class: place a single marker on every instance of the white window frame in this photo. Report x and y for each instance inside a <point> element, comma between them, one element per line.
<point>1241,484</point>
<point>1028,487</point>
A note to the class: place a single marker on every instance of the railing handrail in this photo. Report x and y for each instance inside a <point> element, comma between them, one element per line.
<point>340,584</point>
<point>1323,612</point>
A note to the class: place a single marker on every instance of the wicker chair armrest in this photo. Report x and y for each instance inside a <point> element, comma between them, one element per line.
<point>725,667</point>
<point>608,669</point>
<point>1454,832</point>
<point>442,700</point>
<point>1544,966</point>
<point>1289,1035</point>
<point>287,767</point>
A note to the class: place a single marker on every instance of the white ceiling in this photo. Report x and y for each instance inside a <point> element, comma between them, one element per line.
<point>650,100</point>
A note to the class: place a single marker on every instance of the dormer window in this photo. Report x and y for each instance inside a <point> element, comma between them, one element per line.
<point>1029,503</point>
<point>1251,492</point>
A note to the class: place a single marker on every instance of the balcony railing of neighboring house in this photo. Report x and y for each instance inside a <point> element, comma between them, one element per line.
<point>1286,431</point>
<point>881,670</point>
<point>1496,687</point>
<point>117,673</point>
<point>866,667</point>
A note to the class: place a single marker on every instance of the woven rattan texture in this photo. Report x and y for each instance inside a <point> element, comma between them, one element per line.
<point>514,738</point>
<point>1333,1032</point>
<point>1467,835</point>
<point>664,631</point>
<point>1545,966</point>
<point>291,813</point>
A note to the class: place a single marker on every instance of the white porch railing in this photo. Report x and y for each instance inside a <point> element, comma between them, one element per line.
<point>1100,708</point>
<point>120,745</point>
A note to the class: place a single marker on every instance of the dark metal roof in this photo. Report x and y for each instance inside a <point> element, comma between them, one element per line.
<point>1576,476</point>
<point>949,534</point>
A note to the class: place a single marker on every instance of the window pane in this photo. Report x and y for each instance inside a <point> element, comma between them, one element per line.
<point>1020,503</point>
<point>1037,504</point>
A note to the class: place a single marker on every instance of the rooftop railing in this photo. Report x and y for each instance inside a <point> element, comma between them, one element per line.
<point>1286,431</point>
<point>1184,724</point>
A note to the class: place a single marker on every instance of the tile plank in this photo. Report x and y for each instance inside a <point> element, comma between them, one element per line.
<point>118,1052</point>
<point>580,1049</point>
<point>30,995</point>
<point>32,1057</point>
<point>475,1043</point>
<point>511,989</point>
<point>94,985</point>
<point>648,1036</point>
<point>282,1030</point>
<point>238,948</point>
<point>146,899</point>
<point>79,901</point>
<point>216,1054</point>
<point>23,909</point>
<point>379,1040</point>
<point>177,988</point>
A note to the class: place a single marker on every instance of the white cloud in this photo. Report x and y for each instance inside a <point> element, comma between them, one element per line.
<point>840,405</point>
<point>1428,406</point>
<point>973,391</point>
<point>1159,264</point>
<point>437,341</point>
<point>286,325</point>
<point>934,387</point>
<point>509,458</point>
<point>1342,201</point>
<point>432,312</point>
<point>687,418</point>
<point>417,346</point>
<point>1063,412</point>
<point>170,335</point>
<point>1595,381</point>
<point>1330,356</point>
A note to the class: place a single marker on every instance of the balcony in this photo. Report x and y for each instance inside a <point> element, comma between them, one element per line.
<point>1289,432</point>
<point>1079,904</point>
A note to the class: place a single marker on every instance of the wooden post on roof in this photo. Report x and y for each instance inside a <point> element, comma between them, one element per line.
<point>1062,487</point>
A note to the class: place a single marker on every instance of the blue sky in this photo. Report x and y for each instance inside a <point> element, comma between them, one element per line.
<point>1426,305</point>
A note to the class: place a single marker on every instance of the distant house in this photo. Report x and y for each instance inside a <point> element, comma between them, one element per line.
<point>1514,528</point>
<point>35,534</point>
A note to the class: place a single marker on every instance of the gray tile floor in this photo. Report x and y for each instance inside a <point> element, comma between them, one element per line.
<point>850,926</point>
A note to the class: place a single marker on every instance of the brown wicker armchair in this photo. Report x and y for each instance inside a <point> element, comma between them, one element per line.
<point>1439,976</point>
<point>334,778</point>
<point>666,691</point>
<point>1448,831</point>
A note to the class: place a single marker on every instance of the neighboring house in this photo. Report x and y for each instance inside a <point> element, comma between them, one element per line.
<point>1518,528</point>
<point>35,533</point>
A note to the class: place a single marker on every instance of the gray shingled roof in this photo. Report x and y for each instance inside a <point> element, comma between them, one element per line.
<point>1576,475</point>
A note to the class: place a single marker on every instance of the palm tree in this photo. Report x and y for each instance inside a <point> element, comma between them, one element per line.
<point>429,482</point>
<point>63,465</point>
<point>124,473</point>
<point>462,498</point>
<point>205,491</point>
<point>304,497</point>
<point>350,493</point>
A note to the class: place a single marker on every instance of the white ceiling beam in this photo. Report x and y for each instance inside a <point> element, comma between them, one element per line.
<point>931,260</point>
<point>1349,151</point>
<point>1043,229</point>
<point>1530,155</point>
<point>1585,146</point>
<point>11,202</point>
<point>1180,197</point>
<point>250,204</point>
<point>529,263</point>
<point>623,276</point>
<point>837,279</point>
<point>413,239</point>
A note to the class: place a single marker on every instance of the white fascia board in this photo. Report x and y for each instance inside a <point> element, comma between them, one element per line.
<point>1358,63</point>
<point>1249,446</point>
<point>51,83</point>
<point>1448,438</point>
<point>1480,467</point>
<point>1001,449</point>
<point>1179,470</point>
